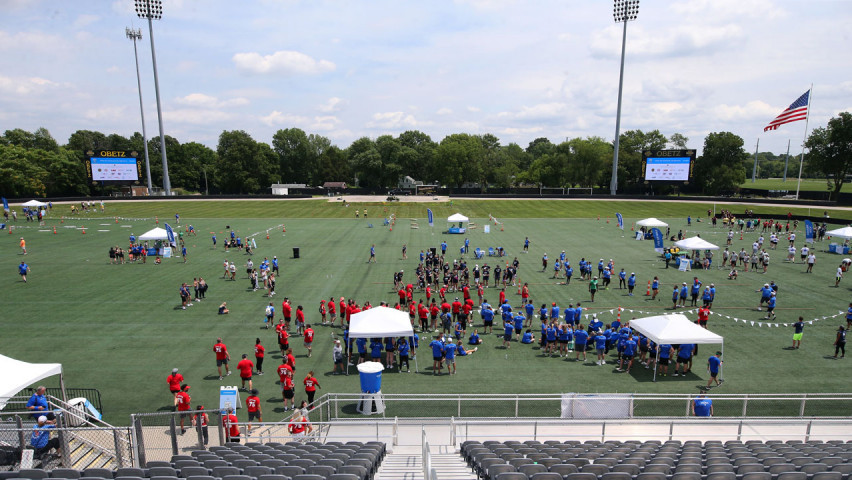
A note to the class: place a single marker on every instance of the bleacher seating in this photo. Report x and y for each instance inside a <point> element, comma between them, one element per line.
<point>253,461</point>
<point>655,460</point>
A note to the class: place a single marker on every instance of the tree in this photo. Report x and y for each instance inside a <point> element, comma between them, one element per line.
<point>293,150</point>
<point>84,140</point>
<point>589,161</point>
<point>678,141</point>
<point>721,167</point>
<point>630,147</point>
<point>418,155</point>
<point>459,158</point>
<point>333,166</point>
<point>21,173</point>
<point>830,151</point>
<point>244,166</point>
<point>366,162</point>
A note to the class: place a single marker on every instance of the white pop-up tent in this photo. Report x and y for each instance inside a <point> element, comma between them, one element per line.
<point>17,375</point>
<point>675,329</point>
<point>695,243</point>
<point>651,223</point>
<point>155,234</point>
<point>457,217</point>
<point>380,322</point>
<point>34,203</point>
<point>845,232</point>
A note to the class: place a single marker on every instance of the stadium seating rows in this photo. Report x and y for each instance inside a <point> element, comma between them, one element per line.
<point>655,460</point>
<point>233,461</point>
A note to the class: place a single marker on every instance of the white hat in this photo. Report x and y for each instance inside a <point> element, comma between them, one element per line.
<point>42,419</point>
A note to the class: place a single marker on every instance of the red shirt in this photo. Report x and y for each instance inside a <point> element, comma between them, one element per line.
<point>284,372</point>
<point>466,292</point>
<point>322,308</point>
<point>342,306</point>
<point>174,381</point>
<point>423,311</point>
<point>288,383</point>
<point>412,309</point>
<point>525,293</point>
<point>283,336</point>
<point>402,294</point>
<point>233,429</point>
<point>309,335</point>
<point>221,351</point>
<point>291,360</point>
<point>332,307</point>
<point>245,367</point>
<point>182,401</point>
<point>442,292</point>
<point>311,384</point>
<point>286,309</point>
<point>434,310</point>
<point>428,293</point>
<point>445,307</point>
<point>502,297</point>
<point>252,403</point>
<point>703,314</point>
<point>466,309</point>
<point>480,291</point>
<point>259,351</point>
<point>457,306</point>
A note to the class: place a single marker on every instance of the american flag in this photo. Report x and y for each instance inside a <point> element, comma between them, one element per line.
<point>797,110</point>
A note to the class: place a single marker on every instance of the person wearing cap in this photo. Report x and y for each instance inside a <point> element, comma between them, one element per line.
<point>245,366</point>
<point>770,306</point>
<point>40,438</point>
<point>337,357</point>
<point>684,293</point>
<point>593,287</point>
<point>544,262</point>
<point>253,408</point>
<point>702,406</point>
<point>38,404</point>
<point>174,380</point>
<point>713,365</point>
<point>182,400</point>
<point>201,419</point>
<point>631,283</point>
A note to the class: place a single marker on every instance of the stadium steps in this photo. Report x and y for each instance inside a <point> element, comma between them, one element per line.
<point>86,455</point>
<point>407,464</point>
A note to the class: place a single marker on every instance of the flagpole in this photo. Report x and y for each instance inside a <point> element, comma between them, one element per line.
<point>786,160</point>
<point>802,159</point>
<point>754,169</point>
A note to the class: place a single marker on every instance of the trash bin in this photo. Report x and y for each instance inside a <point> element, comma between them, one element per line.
<point>371,376</point>
<point>295,252</point>
<point>832,248</point>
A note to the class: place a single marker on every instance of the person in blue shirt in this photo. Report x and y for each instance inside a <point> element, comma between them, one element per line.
<point>631,284</point>
<point>666,351</point>
<point>702,406</point>
<point>437,346</point>
<point>556,267</point>
<point>463,352</point>
<point>622,279</point>
<point>508,329</point>
<point>695,290</point>
<point>607,277</point>
<point>655,288</point>
<point>684,357</point>
<point>450,357</point>
<point>770,306</point>
<point>376,349</point>
<point>529,309</point>
<point>595,325</point>
<point>446,322</point>
<point>403,348</point>
<point>38,404</point>
<point>554,311</point>
<point>459,330</point>
<point>713,365</point>
<point>712,295</point>
<point>275,265</point>
<point>528,337</point>
<point>565,336</point>
<point>466,245</point>
<point>23,269</point>
<point>600,267</point>
<point>578,312</point>
<point>361,343</point>
<point>551,333</point>
<point>183,253</point>
<point>487,317</point>
<point>581,337</point>
<point>518,320</point>
<point>40,439</point>
<point>372,258</point>
<point>706,298</point>
<point>569,272</point>
<point>542,312</point>
<point>526,244</point>
<point>627,354</point>
<point>474,338</point>
<point>765,295</point>
<point>443,248</point>
<point>675,295</point>
<point>684,293</point>
<point>600,345</point>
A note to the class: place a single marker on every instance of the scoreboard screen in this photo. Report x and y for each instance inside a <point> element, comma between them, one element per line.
<point>668,165</point>
<point>114,166</point>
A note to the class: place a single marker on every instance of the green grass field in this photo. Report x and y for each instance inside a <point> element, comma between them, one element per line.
<point>118,328</point>
<point>808,184</point>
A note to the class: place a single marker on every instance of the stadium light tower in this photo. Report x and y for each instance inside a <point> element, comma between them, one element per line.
<point>136,34</point>
<point>153,10</point>
<point>623,11</point>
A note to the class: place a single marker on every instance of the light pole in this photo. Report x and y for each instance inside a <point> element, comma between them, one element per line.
<point>150,10</point>
<point>136,34</point>
<point>623,11</point>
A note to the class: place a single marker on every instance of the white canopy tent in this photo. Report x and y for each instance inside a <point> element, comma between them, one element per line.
<point>845,232</point>
<point>380,322</point>
<point>695,243</point>
<point>34,203</point>
<point>651,223</point>
<point>457,217</point>
<point>675,329</point>
<point>17,375</point>
<point>155,234</point>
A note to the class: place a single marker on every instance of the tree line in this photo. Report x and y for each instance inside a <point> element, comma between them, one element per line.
<point>34,164</point>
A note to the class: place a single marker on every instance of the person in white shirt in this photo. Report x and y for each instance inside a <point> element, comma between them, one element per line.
<point>805,251</point>
<point>838,276</point>
<point>811,261</point>
<point>792,239</point>
<point>791,254</point>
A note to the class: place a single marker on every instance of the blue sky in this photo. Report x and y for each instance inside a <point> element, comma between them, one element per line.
<point>519,69</point>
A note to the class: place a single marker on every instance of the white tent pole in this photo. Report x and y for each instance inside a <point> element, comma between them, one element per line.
<point>62,385</point>
<point>722,365</point>
<point>657,363</point>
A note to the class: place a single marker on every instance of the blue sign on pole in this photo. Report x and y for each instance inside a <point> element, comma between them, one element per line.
<point>429,215</point>
<point>809,231</point>
<point>620,220</point>
<point>658,239</point>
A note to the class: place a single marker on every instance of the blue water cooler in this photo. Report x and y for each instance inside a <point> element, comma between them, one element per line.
<point>371,401</point>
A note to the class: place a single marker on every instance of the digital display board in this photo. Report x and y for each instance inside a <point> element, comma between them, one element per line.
<point>668,165</point>
<point>113,166</point>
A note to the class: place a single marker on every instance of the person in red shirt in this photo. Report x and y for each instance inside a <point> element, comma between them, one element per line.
<point>443,294</point>
<point>299,425</point>
<point>502,296</point>
<point>456,309</point>
<point>434,310</point>
<point>300,320</point>
<point>309,338</point>
<point>283,337</point>
<point>402,296</point>
<point>286,310</point>
<point>423,313</point>
<point>322,311</point>
<point>466,292</point>
<point>342,305</point>
<point>465,314</point>
<point>703,316</point>
<point>352,310</point>
<point>253,408</point>
<point>201,419</point>
<point>291,360</point>
<point>182,400</point>
<point>222,357</point>
<point>332,310</point>
<point>428,293</point>
<point>285,377</point>
<point>480,292</point>
<point>174,380</point>
<point>525,293</point>
<point>412,312</point>
<point>245,366</point>
<point>311,385</point>
<point>232,430</point>
<point>259,353</point>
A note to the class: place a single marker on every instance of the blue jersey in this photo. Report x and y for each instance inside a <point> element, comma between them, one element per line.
<point>376,349</point>
<point>655,284</point>
<point>569,272</point>
<point>581,337</point>
<point>600,342</point>
<point>665,350</point>
<point>712,293</point>
<point>674,295</point>
<point>403,348</point>
<point>629,348</point>
<point>389,343</point>
<point>506,308</point>
<point>362,345</point>
<point>622,275</point>
<point>578,311</point>
<point>487,315</point>
<point>527,338</point>
<point>714,363</point>
<point>543,313</point>
<point>529,308</point>
<point>616,325</point>
<point>771,303</point>
<point>519,321</point>
<point>702,407</point>
<point>696,287</point>
<point>684,292</point>
<point>631,282</point>
<point>22,268</point>
<point>551,334</point>
<point>474,339</point>
<point>508,328</point>
<point>450,351</point>
<point>685,351</point>
<point>606,274</point>
<point>437,348</point>
<point>554,312</point>
<point>565,335</point>
<point>765,292</point>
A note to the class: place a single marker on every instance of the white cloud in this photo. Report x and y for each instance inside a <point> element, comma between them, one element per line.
<point>23,85</point>
<point>196,116</point>
<point>206,101</point>
<point>106,114</point>
<point>677,41</point>
<point>392,120</point>
<point>277,119</point>
<point>444,111</point>
<point>715,10</point>
<point>284,61</point>
<point>473,109</point>
<point>85,20</point>
<point>280,119</point>
<point>333,104</point>
<point>539,112</point>
<point>325,123</point>
<point>754,110</point>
